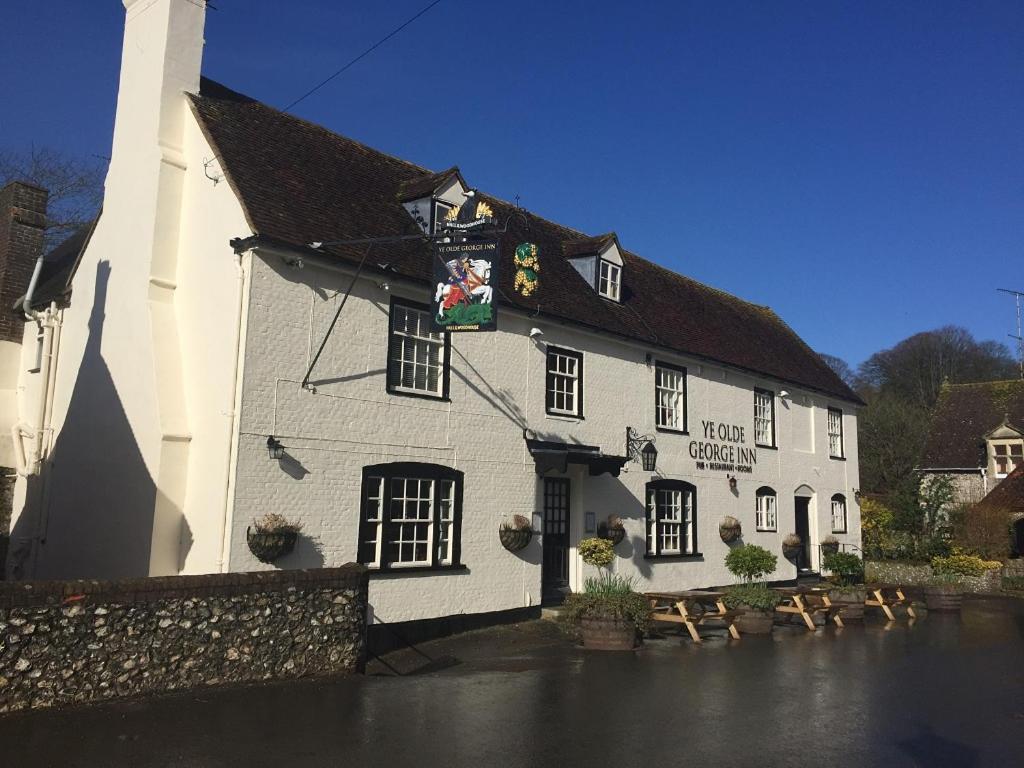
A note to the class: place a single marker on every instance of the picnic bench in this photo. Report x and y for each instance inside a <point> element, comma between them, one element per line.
<point>805,602</point>
<point>886,597</point>
<point>691,608</point>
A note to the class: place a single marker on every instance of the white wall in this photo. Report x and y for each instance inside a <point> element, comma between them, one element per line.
<point>497,390</point>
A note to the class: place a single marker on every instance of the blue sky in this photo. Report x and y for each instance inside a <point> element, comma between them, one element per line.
<point>856,166</point>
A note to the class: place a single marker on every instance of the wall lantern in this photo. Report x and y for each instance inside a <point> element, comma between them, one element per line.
<point>856,495</point>
<point>732,482</point>
<point>275,448</point>
<point>641,448</point>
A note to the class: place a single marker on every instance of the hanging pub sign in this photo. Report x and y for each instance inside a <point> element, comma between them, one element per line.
<point>463,299</point>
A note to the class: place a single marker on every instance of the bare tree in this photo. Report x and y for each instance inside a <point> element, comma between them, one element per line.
<point>841,369</point>
<point>75,186</point>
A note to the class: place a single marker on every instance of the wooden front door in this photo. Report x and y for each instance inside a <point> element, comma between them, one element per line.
<point>555,542</point>
<point>803,530</point>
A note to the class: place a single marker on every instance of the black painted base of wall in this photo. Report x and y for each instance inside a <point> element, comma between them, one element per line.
<point>383,638</point>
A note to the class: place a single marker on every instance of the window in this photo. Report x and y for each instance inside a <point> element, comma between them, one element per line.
<point>564,382</point>
<point>839,513</point>
<point>1007,456</point>
<point>411,516</point>
<point>764,418</point>
<point>440,211</point>
<point>835,433</point>
<point>609,282</point>
<point>670,397</point>
<point>766,515</point>
<point>417,356</point>
<point>671,518</point>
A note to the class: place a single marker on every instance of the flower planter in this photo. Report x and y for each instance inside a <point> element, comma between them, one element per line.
<point>730,533</point>
<point>754,621</point>
<point>829,548</point>
<point>614,534</point>
<point>608,634</point>
<point>850,605</point>
<point>514,539</point>
<point>269,546</point>
<point>944,598</point>
<point>791,552</point>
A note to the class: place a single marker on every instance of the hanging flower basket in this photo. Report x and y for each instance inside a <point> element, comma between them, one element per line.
<point>613,530</point>
<point>516,535</point>
<point>829,546</point>
<point>792,546</point>
<point>268,546</point>
<point>730,529</point>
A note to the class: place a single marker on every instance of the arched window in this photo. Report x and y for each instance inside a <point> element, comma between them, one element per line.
<point>839,513</point>
<point>410,517</point>
<point>671,518</point>
<point>766,515</point>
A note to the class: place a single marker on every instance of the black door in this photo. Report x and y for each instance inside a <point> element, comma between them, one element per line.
<point>1018,538</point>
<point>555,563</point>
<point>803,530</point>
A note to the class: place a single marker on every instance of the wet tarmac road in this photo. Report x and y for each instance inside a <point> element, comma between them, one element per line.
<point>948,691</point>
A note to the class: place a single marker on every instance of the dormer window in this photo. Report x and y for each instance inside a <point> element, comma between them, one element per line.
<point>1007,455</point>
<point>441,210</point>
<point>610,280</point>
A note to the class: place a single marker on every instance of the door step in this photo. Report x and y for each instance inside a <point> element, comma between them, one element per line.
<point>552,612</point>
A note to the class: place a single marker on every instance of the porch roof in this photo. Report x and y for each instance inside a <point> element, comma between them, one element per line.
<point>553,456</point>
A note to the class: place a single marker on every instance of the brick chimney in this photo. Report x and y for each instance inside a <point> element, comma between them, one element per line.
<point>22,223</point>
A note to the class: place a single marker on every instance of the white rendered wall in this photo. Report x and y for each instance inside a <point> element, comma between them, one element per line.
<point>497,390</point>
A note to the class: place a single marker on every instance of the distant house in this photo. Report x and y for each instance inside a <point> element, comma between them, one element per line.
<point>1008,498</point>
<point>976,436</point>
<point>186,402</point>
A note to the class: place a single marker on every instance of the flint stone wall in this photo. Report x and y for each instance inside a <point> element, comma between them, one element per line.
<point>64,642</point>
<point>918,574</point>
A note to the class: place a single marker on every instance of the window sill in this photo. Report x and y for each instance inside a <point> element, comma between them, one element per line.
<point>419,395</point>
<point>837,458</point>
<point>766,530</point>
<point>671,431</point>
<point>563,416</point>
<point>417,569</point>
<point>844,531</point>
<point>687,556</point>
<point>767,447</point>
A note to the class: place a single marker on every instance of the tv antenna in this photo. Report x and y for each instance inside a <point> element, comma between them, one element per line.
<point>1020,338</point>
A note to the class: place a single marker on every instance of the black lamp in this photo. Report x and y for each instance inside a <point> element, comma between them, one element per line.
<point>641,448</point>
<point>274,448</point>
<point>649,456</point>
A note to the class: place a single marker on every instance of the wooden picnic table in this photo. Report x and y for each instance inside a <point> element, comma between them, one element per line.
<point>886,596</point>
<point>807,601</point>
<point>692,608</point>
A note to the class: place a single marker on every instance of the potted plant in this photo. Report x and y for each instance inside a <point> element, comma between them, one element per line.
<point>847,576</point>
<point>613,530</point>
<point>273,537</point>
<point>752,564</point>
<point>730,529</point>
<point>944,592</point>
<point>791,546</point>
<point>829,546</point>
<point>515,535</point>
<point>610,615</point>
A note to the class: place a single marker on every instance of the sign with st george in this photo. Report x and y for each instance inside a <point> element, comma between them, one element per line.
<point>464,293</point>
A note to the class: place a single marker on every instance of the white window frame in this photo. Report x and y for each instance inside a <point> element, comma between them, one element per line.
<point>671,519</point>
<point>764,418</point>
<point>440,211</point>
<point>563,379</point>
<point>839,513</point>
<point>1008,452</point>
<point>420,344</point>
<point>670,398</point>
<point>836,443</point>
<point>766,510</point>
<point>609,279</point>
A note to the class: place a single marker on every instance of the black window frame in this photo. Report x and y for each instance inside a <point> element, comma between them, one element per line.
<point>686,398</point>
<point>416,470</point>
<point>669,485</point>
<point>548,396</point>
<point>846,513</point>
<point>771,398</point>
<point>390,385</point>
<point>842,434</point>
<point>434,205</point>
<point>766,490</point>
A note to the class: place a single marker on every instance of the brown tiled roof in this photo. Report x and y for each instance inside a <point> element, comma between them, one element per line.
<point>1008,496</point>
<point>427,185</point>
<point>585,246</point>
<point>299,183</point>
<point>963,415</point>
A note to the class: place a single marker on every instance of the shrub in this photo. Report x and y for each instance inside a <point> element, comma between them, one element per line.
<point>275,523</point>
<point>597,552</point>
<point>847,569</point>
<point>963,565</point>
<point>612,585</point>
<point>984,531</point>
<point>623,606</point>
<point>750,562</point>
<point>755,596</point>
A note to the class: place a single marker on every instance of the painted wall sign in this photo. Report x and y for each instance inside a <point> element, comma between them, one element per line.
<point>723,448</point>
<point>464,297</point>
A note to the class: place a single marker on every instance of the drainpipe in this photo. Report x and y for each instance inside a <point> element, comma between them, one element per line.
<point>45,322</point>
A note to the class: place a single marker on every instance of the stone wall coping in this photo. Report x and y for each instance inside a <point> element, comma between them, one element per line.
<point>146,589</point>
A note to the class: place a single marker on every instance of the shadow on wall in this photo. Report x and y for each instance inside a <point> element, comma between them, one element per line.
<point>91,508</point>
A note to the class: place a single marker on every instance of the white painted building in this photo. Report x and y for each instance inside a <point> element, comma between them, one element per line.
<point>198,306</point>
